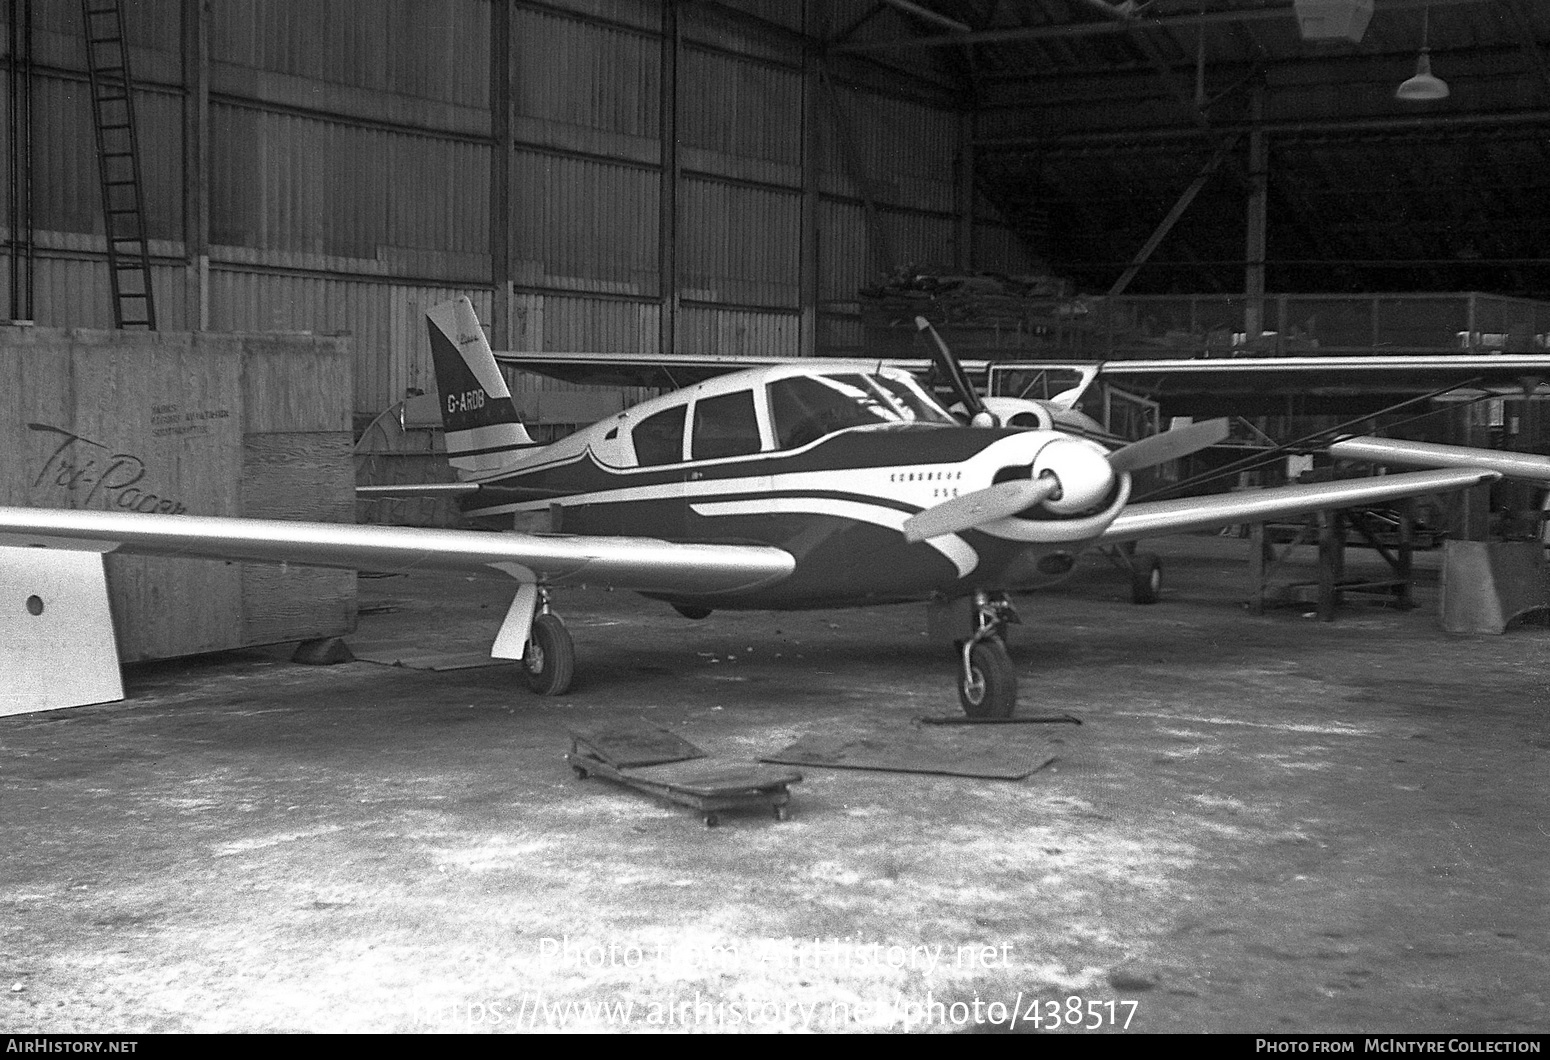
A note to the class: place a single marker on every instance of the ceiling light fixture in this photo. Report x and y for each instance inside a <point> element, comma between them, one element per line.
<point>1332,19</point>
<point>1423,86</point>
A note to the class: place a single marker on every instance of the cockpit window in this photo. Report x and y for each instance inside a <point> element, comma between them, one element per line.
<point>805,408</point>
<point>725,425</point>
<point>659,438</point>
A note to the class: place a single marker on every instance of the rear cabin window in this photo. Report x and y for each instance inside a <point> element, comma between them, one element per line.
<point>805,408</point>
<point>725,426</point>
<point>659,438</point>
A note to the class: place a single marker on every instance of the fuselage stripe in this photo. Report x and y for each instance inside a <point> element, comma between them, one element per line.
<point>953,547</point>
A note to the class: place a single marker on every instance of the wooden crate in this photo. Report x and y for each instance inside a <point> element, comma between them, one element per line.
<point>195,423</point>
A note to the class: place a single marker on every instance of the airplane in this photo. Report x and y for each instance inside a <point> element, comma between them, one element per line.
<point>802,485</point>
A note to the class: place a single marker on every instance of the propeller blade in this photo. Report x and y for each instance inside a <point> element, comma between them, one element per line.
<point>1169,445</point>
<point>950,367</point>
<point>982,506</point>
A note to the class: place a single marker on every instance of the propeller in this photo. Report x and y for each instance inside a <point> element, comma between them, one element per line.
<point>1069,476</point>
<point>979,415</point>
<point>982,506</point>
<point>1169,445</point>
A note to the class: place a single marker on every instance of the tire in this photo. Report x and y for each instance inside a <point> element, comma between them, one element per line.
<point>550,661</point>
<point>993,693</point>
<point>1145,578</point>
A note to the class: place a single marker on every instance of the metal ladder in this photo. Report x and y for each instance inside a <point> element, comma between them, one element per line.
<point>118,164</point>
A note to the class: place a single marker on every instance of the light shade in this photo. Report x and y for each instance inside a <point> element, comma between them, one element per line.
<point>1423,85</point>
<point>1332,19</point>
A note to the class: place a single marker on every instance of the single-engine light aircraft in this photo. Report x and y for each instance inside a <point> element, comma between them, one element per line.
<point>814,484</point>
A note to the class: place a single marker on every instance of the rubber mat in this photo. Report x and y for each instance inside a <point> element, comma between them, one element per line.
<point>943,752</point>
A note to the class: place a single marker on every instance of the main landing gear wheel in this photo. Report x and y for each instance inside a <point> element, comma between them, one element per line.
<point>550,662</point>
<point>1145,578</point>
<point>988,689</point>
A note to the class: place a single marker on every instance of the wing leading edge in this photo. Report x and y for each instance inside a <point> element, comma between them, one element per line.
<point>1152,518</point>
<point>637,563</point>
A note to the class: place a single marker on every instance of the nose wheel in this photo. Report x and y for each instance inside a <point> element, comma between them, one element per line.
<point>987,680</point>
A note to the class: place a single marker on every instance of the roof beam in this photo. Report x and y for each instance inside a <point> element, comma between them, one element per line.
<point>925,14</point>
<point>1279,129</point>
<point>1120,24</point>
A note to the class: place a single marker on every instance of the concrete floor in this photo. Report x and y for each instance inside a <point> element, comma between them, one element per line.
<point>1265,824</point>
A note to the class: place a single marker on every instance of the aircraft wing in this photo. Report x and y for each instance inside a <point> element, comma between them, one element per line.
<point>1153,518</point>
<point>1430,454</point>
<point>643,564</point>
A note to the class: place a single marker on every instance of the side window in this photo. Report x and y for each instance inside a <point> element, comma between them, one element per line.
<point>659,438</point>
<point>725,426</point>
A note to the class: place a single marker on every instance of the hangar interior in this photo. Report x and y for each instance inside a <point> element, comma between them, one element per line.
<point>738,178</point>
<point>1274,826</point>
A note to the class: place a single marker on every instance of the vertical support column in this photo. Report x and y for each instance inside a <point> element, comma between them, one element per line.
<point>1259,566</point>
<point>196,160</point>
<point>502,147</point>
<point>1404,554</point>
<point>18,216</point>
<point>1254,244</point>
<point>1475,513</point>
<point>883,257</point>
<point>1331,562</point>
<point>13,184</point>
<point>964,247</point>
<point>815,28</point>
<point>667,218</point>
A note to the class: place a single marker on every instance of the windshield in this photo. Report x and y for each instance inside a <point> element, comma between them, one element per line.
<point>804,408</point>
<point>913,402</point>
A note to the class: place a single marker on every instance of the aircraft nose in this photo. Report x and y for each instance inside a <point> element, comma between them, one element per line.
<point>1081,470</point>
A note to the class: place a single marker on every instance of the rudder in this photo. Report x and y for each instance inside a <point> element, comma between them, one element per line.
<point>480,419</point>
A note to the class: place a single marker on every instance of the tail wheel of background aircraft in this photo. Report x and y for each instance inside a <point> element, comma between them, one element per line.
<point>1145,578</point>
<point>550,661</point>
<point>989,688</point>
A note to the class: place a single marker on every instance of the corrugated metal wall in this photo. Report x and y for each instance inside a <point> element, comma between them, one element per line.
<point>349,177</point>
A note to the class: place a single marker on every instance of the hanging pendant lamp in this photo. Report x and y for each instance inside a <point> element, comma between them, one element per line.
<point>1423,86</point>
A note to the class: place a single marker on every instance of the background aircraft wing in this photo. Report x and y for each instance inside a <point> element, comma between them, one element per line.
<point>1430,454</point>
<point>1152,518</point>
<point>676,370</point>
<point>638,563</point>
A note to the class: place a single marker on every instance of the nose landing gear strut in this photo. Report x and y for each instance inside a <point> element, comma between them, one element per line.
<point>987,680</point>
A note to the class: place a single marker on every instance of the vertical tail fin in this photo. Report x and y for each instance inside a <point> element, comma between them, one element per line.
<point>481,421</point>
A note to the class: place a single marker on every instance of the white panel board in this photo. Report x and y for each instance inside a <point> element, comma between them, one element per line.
<point>56,633</point>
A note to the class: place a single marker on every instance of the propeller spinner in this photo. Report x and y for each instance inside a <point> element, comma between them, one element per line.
<point>1068,476</point>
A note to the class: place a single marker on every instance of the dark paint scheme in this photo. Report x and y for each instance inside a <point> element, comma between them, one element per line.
<point>826,546</point>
